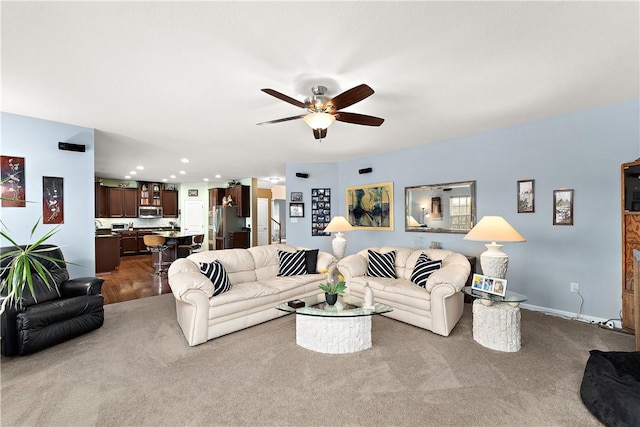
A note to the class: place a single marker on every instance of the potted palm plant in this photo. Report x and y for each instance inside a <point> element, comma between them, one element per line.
<point>21,263</point>
<point>333,288</point>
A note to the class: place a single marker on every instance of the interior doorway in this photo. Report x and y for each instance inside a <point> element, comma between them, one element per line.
<point>263,221</point>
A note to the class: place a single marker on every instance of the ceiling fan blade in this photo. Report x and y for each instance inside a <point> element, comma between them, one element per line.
<point>358,119</point>
<point>319,133</point>
<point>284,98</point>
<point>349,97</point>
<point>286,119</point>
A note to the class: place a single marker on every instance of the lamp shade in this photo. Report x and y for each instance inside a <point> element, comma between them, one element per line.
<point>412,222</point>
<point>494,229</point>
<point>493,261</point>
<point>338,223</point>
<point>319,120</point>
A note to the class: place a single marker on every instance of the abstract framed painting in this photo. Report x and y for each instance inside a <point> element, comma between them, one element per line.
<point>370,207</point>
<point>12,177</point>
<point>52,200</point>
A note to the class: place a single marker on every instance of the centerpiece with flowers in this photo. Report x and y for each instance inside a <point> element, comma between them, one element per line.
<point>333,288</point>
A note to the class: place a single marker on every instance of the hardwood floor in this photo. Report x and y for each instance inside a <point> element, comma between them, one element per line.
<point>133,280</point>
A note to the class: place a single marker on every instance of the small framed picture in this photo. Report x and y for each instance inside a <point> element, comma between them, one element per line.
<point>562,207</point>
<point>296,210</point>
<point>193,193</point>
<point>296,196</point>
<point>526,202</point>
<point>491,285</point>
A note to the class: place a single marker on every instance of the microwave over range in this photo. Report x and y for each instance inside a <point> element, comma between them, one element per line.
<point>149,212</point>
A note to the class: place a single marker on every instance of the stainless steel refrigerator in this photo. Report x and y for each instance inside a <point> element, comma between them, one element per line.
<point>224,223</point>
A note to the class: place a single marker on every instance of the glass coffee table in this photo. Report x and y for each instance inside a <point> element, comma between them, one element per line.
<point>342,328</point>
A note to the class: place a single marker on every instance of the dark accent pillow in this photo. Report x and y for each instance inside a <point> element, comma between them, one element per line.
<point>382,265</point>
<point>218,276</point>
<point>311,257</point>
<point>423,269</point>
<point>292,263</point>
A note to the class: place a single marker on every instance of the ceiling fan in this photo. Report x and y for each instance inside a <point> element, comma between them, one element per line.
<point>323,111</point>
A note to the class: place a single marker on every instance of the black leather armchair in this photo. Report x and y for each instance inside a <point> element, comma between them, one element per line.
<point>69,309</point>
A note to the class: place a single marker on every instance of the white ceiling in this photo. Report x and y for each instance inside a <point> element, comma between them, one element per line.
<point>160,81</point>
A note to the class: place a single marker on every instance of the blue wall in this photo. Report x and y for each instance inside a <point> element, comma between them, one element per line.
<point>37,141</point>
<point>581,151</point>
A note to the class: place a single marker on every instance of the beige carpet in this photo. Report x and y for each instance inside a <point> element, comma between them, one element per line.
<point>137,370</point>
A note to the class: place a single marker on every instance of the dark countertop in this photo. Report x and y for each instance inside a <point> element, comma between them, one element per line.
<point>107,232</point>
<point>107,235</point>
<point>175,234</point>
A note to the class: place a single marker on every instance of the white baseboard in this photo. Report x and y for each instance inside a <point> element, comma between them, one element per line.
<point>613,324</point>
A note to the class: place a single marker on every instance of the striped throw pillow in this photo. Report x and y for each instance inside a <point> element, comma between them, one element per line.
<point>423,269</point>
<point>381,265</point>
<point>292,263</point>
<point>218,276</point>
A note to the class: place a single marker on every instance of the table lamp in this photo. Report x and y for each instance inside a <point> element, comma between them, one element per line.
<point>494,229</point>
<point>338,224</point>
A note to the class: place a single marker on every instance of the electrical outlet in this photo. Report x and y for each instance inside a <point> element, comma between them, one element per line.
<point>574,287</point>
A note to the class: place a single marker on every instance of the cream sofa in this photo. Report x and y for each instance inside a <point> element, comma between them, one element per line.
<point>256,290</point>
<point>437,307</point>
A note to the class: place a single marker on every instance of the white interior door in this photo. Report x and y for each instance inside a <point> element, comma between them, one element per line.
<point>194,216</point>
<point>263,221</point>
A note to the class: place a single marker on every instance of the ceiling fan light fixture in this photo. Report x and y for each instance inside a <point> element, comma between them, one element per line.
<point>319,120</point>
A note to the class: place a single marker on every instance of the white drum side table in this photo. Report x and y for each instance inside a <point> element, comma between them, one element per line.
<point>496,320</point>
<point>496,326</point>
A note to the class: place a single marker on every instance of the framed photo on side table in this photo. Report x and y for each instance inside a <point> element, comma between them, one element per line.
<point>526,201</point>
<point>296,210</point>
<point>491,285</point>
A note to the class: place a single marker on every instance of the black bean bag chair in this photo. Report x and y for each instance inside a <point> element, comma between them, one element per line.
<point>611,387</point>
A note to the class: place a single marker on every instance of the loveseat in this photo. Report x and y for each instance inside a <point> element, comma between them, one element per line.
<point>435,304</point>
<point>253,291</point>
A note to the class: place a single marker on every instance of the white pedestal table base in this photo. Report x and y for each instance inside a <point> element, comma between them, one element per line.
<point>496,326</point>
<point>334,335</point>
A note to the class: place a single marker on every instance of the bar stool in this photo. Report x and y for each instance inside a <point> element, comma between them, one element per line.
<point>156,243</point>
<point>196,243</point>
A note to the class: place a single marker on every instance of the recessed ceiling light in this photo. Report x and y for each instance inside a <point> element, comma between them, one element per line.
<point>185,160</point>
<point>164,179</point>
<point>206,179</point>
<point>140,168</point>
<point>133,173</point>
<point>218,176</point>
<point>127,177</point>
<point>182,172</point>
<point>274,180</point>
<point>172,176</point>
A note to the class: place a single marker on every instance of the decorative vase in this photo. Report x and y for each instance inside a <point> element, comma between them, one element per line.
<point>331,298</point>
<point>368,296</point>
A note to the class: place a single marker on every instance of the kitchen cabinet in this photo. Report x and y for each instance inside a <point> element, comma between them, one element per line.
<point>123,202</point>
<point>142,248</point>
<point>215,197</point>
<point>150,194</point>
<point>239,239</point>
<point>241,197</point>
<point>128,243</point>
<point>170,203</point>
<point>107,253</point>
<point>101,201</point>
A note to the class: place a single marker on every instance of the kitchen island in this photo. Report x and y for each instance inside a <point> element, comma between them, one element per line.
<point>174,239</point>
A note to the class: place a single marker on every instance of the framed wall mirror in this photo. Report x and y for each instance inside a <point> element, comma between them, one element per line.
<point>441,208</point>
